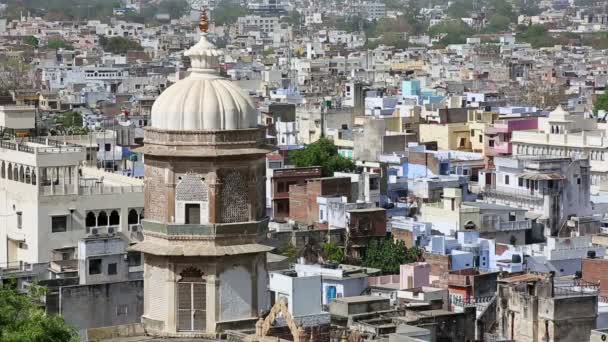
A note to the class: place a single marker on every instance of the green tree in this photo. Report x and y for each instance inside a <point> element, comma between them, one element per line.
<point>269,51</point>
<point>289,251</point>
<point>70,120</point>
<point>119,45</point>
<point>227,13</point>
<point>503,8</point>
<point>387,254</point>
<point>333,252</point>
<point>455,31</point>
<point>498,23</point>
<point>175,8</point>
<point>460,9</point>
<point>322,153</point>
<point>22,320</point>
<point>537,35</point>
<point>601,103</point>
<point>31,40</point>
<point>58,43</point>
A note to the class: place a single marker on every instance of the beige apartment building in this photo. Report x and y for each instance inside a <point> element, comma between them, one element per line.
<point>563,134</point>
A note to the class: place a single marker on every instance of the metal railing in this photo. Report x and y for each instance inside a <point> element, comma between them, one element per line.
<point>474,301</point>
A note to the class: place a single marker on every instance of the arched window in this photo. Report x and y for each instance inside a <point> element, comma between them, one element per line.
<point>102,219</point>
<point>141,215</point>
<point>16,173</point>
<point>33,177</point>
<point>114,218</point>
<point>2,171</point>
<point>9,171</point>
<point>133,217</point>
<point>21,174</point>
<point>90,220</point>
<point>28,175</point>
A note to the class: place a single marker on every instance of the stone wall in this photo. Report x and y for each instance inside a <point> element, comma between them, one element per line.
<point>102,305</point>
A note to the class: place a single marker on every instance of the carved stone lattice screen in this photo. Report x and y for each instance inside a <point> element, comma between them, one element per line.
<point>235,199</point>
<point>191,188</point>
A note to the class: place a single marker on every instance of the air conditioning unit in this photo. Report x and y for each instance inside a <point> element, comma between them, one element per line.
<point>94,231</point>
<point>111,230</point>
<point>135,228</point>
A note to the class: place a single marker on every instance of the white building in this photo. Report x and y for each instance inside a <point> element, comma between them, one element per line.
<point>303,293</point>
<point>562,134</point>
<point>340,281</point>
<point>50,201</point>
<point>249,23</point>
<point>552,189</point>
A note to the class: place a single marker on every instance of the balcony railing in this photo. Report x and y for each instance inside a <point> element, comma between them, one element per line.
<point>514,225</point>
<point>518,196</point>
<point>497,224</point>
<point>14,267</point>
<point>104,189</point>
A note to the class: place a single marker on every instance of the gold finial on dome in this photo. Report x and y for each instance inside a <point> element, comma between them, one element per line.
<point>203,25</point>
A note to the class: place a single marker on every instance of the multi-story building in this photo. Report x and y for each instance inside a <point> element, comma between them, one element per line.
<point>562,134</point>
<point>266,25</point>
<point>497,137</point>
<point>50,201</point>
<point>280,181</point>
<point>534,307</point>
<point>553,189</point>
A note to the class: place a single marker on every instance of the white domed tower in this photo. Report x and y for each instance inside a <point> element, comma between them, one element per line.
<point>204,269</point>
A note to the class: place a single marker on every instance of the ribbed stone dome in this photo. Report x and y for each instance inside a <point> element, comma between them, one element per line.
<point>204,100</point>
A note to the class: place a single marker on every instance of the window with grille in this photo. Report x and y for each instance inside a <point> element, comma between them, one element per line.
<point>191,301</point>
<point>235,199</point>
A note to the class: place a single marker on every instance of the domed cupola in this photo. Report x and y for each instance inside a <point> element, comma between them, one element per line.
<point>204,101</point>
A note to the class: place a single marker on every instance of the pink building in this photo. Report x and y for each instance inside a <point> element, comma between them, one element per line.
<point>414,275</point>
<point>498,137</point>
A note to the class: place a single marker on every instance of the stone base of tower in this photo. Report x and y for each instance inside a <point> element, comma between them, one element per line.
<point>203,296</point>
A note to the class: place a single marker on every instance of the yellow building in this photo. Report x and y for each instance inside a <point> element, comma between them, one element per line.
<point>478,121</point>
<point>453,136</point>
<point>463,136</point>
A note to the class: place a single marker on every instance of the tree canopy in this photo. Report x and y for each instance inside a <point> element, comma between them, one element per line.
<point>387,254</point>
<point>601,103</point>
<point>460,9</point>
<point>537,35</point>
<point>58,43</point>
<point>31,40</point>
<point>333,252</point>
<point>227,13</point>
<point>322,153</point>
<point>119,45</point>
<point>22,320</point>
<point>175,8</point>
<point>455,31</point>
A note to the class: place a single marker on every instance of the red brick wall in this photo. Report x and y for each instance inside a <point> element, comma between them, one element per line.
<point>303,205</point>
<point>376,220</point>
<point>596,270</point>
<point>298,206</point>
